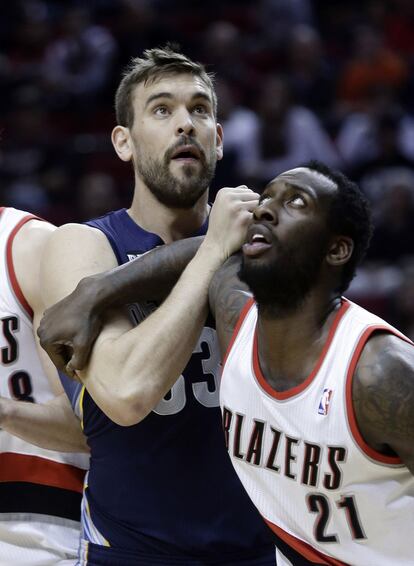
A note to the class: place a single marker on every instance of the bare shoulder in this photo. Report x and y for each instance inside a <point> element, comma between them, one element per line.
<point>74,251</point>
<point>78,235</point>
<point>31,239</point>
<point>383,395</point>
<point>384,356</point>
<point>227,295</point>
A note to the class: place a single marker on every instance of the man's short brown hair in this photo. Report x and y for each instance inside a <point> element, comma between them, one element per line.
<point>154,64</point>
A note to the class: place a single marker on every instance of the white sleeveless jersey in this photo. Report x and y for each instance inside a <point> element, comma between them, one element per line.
<point>323,491</point>
<point>40,490</point>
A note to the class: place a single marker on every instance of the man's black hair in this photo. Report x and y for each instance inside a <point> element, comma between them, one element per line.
<point>349,215</point>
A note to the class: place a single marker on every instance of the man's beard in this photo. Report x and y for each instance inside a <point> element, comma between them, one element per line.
<point>168,189</point>
<point>281,286</point>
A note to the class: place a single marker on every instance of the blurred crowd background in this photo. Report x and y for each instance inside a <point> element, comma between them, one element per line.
<point>296,79</point>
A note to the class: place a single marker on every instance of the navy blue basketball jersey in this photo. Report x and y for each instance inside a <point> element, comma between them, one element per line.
<point>164,491</point>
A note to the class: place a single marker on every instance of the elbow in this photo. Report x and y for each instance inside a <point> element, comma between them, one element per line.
<point>127,417</point>
<point>124,393</point>
<point>128,409</point>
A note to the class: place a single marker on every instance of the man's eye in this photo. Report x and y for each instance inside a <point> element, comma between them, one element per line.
<point>263,199</point>
<point>200,109</point>
<point>160,110</point>
<point>297,201</point>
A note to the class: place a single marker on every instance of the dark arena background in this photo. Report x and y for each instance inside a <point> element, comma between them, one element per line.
<point>296,79</point>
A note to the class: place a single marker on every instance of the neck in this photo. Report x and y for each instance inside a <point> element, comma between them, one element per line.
<point>290,344</point>
<point>170,224</point>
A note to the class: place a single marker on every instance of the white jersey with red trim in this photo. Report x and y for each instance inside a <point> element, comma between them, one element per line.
<point>40,490</point>
<point>323,491</point>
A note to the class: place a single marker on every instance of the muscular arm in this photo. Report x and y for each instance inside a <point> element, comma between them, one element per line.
<point>71,326</point>
<point>131,369</point>
<point>383,396</point>
<point>227,297</point>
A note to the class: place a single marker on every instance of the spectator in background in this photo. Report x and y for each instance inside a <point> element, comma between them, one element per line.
<point>393,238</point>
<point>136,26</point>
<point>78,64</point>
<point>383,278</point>
<point>223,48</point>
<point>311,76</point>
<point>278,17</point>
<point>377,147</point>
<point>372,65</point>
<point>402,301</point>
<point>398,26</point>
<point>25,31</point>
<point>240,124</point>
<point>96,196</point>
<point>381,133</point>
<point>286,134</point>
<point>27,147</point>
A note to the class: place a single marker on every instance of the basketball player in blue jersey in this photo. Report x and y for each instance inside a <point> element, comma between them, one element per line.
<point>160,489</point>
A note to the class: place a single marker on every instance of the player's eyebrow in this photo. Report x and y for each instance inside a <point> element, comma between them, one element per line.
<point>304,188</point>
<point>289,186</point>
<point>202,95</point>
<point>158,95</point>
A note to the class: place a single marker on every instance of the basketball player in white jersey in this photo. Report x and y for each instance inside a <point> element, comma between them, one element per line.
<point>316,392</point>
<point>39,489</point>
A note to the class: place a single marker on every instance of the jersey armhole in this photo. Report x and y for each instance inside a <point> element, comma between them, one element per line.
<point>10,265</point>
<point>110,239</point>
<point>349,408</point>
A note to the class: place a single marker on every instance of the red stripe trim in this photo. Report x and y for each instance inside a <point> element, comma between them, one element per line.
<point>281,395</point>
<point>34,469</point>
<point>303,548</point>
<point>243,314</point>
<point>373,454</point>
<point>10,266</point>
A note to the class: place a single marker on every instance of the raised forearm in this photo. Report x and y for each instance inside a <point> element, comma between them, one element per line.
<point>50,425</point>
<point>149,277</point>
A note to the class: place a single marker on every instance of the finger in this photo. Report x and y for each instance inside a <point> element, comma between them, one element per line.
<point>72,373</point>
<point>59,354</point>
<point>58,360</point>
<point>82,345</point>
<point>243,194</point>
<point>80,357</point>
<point>247,206</point>
<point>69,371</point>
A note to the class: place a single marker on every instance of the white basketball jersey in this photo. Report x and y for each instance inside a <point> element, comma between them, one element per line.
<point>299,454</point>
<point>39,489</point>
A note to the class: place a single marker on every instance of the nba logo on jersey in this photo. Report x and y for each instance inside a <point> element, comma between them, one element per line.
<point>324,402</point>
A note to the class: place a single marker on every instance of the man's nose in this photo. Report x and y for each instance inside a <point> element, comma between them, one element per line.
<point>185,125</point>
<point>264,212</point>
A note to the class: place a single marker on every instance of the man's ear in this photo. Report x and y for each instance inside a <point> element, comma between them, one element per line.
<point>219,142</point>
<point>340,250</point>
<point>121,140</point>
